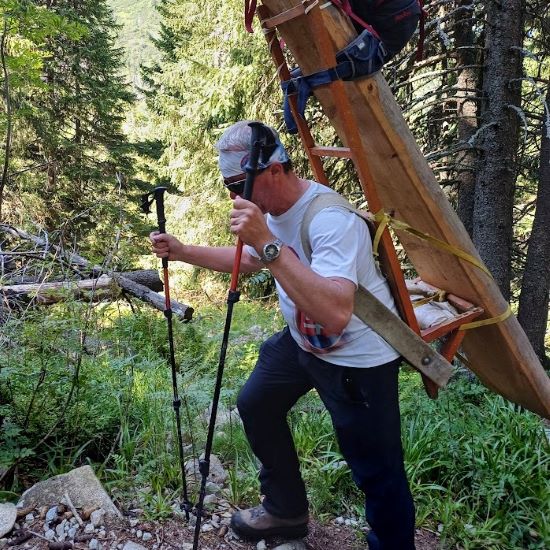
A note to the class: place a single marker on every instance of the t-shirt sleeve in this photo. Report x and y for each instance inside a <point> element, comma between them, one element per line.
<point>337,238</point>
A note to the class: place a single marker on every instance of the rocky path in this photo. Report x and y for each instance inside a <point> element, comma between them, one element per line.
<point>73,511</point>
<point>58,529</point>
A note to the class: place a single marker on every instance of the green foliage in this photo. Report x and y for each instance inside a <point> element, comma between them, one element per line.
<point>69,160</point>
<point>478,466</point>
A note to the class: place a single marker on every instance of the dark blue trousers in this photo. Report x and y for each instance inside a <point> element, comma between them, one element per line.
<point>364,407</point>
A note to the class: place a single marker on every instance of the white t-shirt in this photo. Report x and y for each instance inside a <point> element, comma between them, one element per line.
<point>341,247</point>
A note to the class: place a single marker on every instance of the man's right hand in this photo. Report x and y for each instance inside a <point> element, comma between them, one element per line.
<point>166,245</point>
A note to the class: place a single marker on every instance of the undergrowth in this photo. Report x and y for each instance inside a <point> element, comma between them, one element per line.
<point>91,384</point>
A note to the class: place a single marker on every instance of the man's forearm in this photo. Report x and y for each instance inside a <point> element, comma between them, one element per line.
<point>328,301</point>
<point>217,258</point>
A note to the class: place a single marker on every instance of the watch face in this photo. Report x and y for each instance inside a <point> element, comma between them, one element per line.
<point>271,251</point>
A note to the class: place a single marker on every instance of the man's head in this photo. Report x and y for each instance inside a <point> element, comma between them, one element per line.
<point>234,149</point>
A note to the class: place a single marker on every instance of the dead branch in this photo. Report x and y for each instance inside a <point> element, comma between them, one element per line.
<point>142,284</point>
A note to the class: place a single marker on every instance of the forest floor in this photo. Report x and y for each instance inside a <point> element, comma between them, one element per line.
<point>120,534</point>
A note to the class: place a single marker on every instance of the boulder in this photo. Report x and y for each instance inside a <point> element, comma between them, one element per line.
<point>82,486</point>
<point>217,473</point>
<point>8,516</point>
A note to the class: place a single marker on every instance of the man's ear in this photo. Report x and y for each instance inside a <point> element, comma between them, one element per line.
<point>276,169</point>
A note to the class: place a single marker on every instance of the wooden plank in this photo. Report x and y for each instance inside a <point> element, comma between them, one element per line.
<point>500,354</point>
<point>338,152</point>
<point>399,335</point>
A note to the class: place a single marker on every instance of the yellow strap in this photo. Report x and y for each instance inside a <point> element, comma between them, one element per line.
<point>436,297</point>
<point>386,220</point>
<point>490,321</point>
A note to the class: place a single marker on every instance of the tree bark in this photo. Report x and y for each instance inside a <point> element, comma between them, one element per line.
<point>467,83</point>
<point>495,183</point>
<point>535,288</point>
<point>7,100</point>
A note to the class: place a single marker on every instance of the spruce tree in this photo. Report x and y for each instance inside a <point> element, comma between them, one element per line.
<point>77,119</point>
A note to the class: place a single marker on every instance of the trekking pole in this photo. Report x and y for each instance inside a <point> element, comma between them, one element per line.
<point>257,142</point>
<point>157,196</point>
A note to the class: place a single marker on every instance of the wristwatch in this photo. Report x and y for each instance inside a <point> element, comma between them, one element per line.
<point>271,251</point>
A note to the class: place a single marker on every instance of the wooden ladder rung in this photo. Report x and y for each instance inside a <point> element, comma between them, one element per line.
<point>288,15</point>
<point>437,331</point>
<point>340,152</point>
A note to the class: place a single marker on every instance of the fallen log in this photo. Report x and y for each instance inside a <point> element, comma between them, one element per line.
<point>143,284</point>
<point>182,311</point>
<point>105,286</point>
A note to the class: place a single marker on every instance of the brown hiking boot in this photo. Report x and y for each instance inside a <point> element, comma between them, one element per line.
<point>257,523</point>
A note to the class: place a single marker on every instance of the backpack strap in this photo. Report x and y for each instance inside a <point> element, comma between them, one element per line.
<point>374,313</point>
<point>318,203</point>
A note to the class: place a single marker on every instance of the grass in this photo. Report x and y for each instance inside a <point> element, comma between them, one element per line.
<point>478,466</point>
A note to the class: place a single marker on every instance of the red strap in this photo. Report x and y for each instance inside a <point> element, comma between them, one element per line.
<point>421,32</point>
<point>345,6</point>
<point>249,11</point>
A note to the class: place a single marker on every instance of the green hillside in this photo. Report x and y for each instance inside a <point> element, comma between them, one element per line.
<point>139,20</point>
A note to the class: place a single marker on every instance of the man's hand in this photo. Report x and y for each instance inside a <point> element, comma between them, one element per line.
<point>166,245</point>
<point>248,223</point>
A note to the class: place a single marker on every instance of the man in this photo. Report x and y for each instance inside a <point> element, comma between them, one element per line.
<point>323,347</point>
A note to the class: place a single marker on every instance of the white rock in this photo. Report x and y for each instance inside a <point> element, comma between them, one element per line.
<point>291,545</point>
<point>71,533</point>
<point>8,515</point>
<point>206,527</point>
<point>82,486</point>
<point>339,520</point>
<point>186,546</point>
<point>51,514</point>
<point>139,533</point>
<point>212,488</point>
<point>89,528</point>
<point>29,517</point>
<point>60,529</point>
<point>133,522</point>
<point>97,517</point>
<point>49,534</point>
<point>146,536</point>
<point>210,499</point>
<point>261,545</point>
<point>93,545</point>
<point>134,546</point>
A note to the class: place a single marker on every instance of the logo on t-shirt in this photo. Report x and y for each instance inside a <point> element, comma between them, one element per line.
<point>315,337</point>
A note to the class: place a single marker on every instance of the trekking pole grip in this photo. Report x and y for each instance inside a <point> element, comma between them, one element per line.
<point>258,131</point>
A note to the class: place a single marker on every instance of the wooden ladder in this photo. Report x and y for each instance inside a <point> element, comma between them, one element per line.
<point>449,331</point>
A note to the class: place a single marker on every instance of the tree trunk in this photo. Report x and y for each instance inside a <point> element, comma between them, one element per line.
<point>467,84</point>
<point>494,192</point>
<point>534,297</point>
<point>7,143</point>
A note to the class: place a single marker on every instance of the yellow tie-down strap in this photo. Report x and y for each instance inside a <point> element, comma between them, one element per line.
<point>385,220</point>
